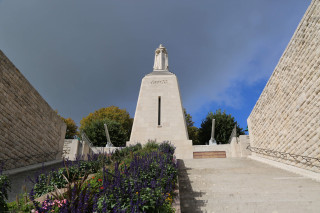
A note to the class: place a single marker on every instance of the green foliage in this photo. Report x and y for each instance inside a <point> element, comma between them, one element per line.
<point>96,133</point>
<point>71,128</point>
<point>118,155</point>
<point>138,180</point>
<point>22,203</point>
<point>5,186</point>
<point>192,130</point>
<point>167,147</point>
<point>46,183</point>
<point>224,125</point>
<point>151,145</point>
<point>112,113</point>
<point>145,184</point>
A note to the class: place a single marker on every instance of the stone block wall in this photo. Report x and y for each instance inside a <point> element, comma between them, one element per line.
<point>210,148</point>
<point>286,117</point>
<point>30,131</point>
<point>71,149</point>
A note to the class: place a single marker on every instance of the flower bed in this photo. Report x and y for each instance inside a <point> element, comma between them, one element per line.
<point>133,179</point>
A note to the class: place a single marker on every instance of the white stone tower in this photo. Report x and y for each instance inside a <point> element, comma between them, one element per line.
<point>159,113</point>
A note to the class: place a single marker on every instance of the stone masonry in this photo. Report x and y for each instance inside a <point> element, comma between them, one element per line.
<point>30,131</point>
<point>159,112</point>
<point>286,117</point>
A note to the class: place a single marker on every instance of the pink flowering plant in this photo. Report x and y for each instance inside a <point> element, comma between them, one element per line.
<point>52,205</point>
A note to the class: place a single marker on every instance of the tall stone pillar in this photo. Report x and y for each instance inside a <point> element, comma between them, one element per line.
<point>159,113</point>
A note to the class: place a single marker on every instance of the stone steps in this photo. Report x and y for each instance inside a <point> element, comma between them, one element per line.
<point>243,185</point>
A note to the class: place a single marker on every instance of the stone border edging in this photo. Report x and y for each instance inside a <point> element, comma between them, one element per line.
<point>303,172</point>
<point>30,167</point>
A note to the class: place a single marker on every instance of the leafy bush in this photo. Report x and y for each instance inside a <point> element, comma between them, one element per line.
<point>167,147</point>
<point>22,203</point>
<point>48,182</point>
<point>120,154</point>
<point>96,133</point>
<point>151,145</point>
<point>4,188</point>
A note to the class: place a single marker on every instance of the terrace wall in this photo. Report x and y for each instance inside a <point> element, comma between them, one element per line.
<point>30,131</point>
<point>286,117</point>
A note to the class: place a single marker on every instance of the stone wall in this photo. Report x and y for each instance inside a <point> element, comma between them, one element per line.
<point>71,149</point>
<point>210,148</point>
<point>30,131</point>
<point>236,149</point>
<point>286,117</point>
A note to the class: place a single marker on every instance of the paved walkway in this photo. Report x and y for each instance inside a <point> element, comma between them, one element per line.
<point>244,185</point>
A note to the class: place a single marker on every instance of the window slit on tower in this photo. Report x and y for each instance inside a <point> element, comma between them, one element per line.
<point>159,110</point>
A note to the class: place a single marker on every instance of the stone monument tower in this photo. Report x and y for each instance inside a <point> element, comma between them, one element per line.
<point>159,114</point>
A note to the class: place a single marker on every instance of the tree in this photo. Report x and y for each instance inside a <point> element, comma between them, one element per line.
<point>112,113</point>
<point>224,125</point>
<point>192,130</point>
<point>96,133</point>
<point>71,127</point>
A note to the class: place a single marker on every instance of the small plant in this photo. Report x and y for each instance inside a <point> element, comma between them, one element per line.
<point>167,147</point>
<point>4,188</point>
<point>22,203</point>
<point>151,145</point>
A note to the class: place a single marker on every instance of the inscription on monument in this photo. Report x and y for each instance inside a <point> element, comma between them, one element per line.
<point>159,82</point>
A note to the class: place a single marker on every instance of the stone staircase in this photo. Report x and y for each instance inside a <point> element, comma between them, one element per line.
<point>244,185</point>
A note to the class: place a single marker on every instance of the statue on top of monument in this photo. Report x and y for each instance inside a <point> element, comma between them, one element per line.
<point>161,59</point>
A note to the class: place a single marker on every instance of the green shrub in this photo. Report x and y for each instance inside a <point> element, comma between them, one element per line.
<point>22,204</point>
<point>45,183</point>
<point>96,133</point>
<point>5,186</point>
<point>166,146</point>
<point>151,145</point>
<point>120,154</point>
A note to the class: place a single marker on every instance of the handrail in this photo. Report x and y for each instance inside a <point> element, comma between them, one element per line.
<point>85,138</point>
<point>284,155</point>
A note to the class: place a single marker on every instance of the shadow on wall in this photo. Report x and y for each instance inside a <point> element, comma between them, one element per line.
<point>21,179</point>
<point>189,199</point>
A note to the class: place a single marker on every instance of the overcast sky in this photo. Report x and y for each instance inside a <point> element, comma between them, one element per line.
<point>84,55</point>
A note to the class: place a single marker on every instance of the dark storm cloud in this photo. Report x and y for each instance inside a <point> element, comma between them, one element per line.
<point>84,55</point>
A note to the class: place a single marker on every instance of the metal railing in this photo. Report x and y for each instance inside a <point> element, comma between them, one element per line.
<point>286,156</point>
<point>85,138</point>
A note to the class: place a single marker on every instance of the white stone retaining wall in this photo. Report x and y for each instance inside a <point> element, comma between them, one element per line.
<point>286,117</point>
<point>30,131</point>
<point>210,148</point>
<point>71,148</point>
